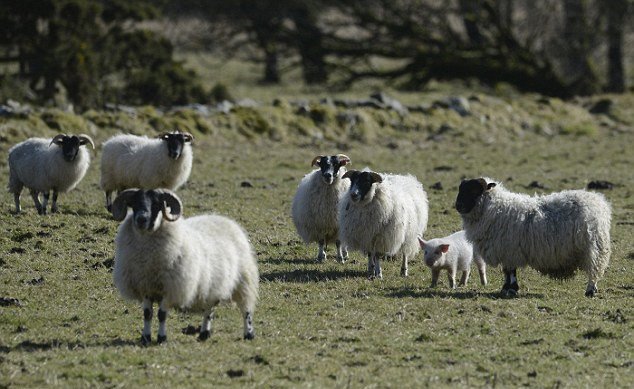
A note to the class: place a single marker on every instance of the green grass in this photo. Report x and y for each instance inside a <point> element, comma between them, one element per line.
<point>326,325</point>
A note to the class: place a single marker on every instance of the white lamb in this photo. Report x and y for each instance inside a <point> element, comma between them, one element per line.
<point>383,215</point>
<point>192,263</point>
<point>314,207</point>
<point>130,161</point>
<point>555,234</point>
<point>452,253</point>
<point>40,167</point>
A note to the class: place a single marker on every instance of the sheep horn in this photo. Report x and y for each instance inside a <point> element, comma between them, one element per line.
<point>57,140</point>
<point>85,139</point>
<point>343,159</point>
<point>317,158</point>
<point>120,204</point>
<point>188,137</point>
<point>175,205</point>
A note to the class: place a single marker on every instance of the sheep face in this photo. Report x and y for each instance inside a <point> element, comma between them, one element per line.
<point>330,166</point>
<point>362,186</point>
<point>175,142</point>
<point>470,192</point>
<point>70,145</point>
<point>433,253</point>
<point>149,207</point>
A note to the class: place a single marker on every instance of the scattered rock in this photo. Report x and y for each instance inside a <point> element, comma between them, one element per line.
<point>437,186</point>
<point>390,103</point>
<point>246,184</point>
<point>7,301</point>
<point>536,185</point>
<point>602,106</point>
<point>600,184</point>
<point>457,103</point>
<point>224,106</point>
<point>235,373</point>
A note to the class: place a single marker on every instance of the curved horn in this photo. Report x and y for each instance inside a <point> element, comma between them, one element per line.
<point>57,140</point>
<point>343,159</point>
<point>175,205</point>
<point>121,203</point>
<point>85,139</point>
<point>317,158</point>
<point>188,137</point>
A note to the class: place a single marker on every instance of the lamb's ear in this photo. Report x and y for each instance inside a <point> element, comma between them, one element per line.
<point>443,248</point>
<point>491,185</point>
<point>171,201</point>
<point>376,177</point>
<point>421,242</point>
<point>188,137</point>
<point>343,159</point>
<point>121,203</point>
<point>350,174</point>
<point>315,160</point>
<point>58,140</point>
<point>85,139</point>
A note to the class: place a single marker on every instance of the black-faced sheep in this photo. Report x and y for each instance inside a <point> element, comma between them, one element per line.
<point>383,215</point>
<point>130,161</point>
<point>45,165</point>
<point>555,234</point>
<point>316,201</point>
<point>192,263</point>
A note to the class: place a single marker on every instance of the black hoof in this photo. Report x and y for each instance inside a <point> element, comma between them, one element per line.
<point>161,339</point>
<point>146,340</point>
<point>204,335</point>
<point>249,336</point>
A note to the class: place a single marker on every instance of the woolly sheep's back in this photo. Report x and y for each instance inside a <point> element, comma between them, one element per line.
<point>315,207</point>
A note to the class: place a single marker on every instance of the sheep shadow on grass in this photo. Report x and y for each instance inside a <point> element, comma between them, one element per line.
<point>310,276</point>
<point>456,294</point>
<point>31,346</point>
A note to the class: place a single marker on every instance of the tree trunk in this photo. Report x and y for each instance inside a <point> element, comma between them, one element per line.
<point>578,37</point>
<point>310,47</point>
<point>469,11</point>
<point>616,12</point>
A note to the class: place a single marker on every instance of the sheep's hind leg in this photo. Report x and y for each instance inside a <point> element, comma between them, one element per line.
<point>146,335</point>
<point>451,276</point>
<point>161,336</point>
<point>36,200</point>
<point>342,253</point>
<point>511,287</point>
<point>54,203</point>
<point>464,278</point>
<point>435,273</point>
<point>378,272</point>
<point>16,199</point>
<point>321,256</point>
<point>404,267</point>
<point>205,326</point>
<point>370,266</point>
<point>45,196</point>
<point>249,332</point>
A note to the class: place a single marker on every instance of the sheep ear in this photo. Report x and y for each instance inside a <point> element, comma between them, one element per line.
<point>376,177</point>
<point>58,140</point>
<point>121,203</point>
<point>421,242</point>
<point>188,137</point>
<point>85,139</point>
<point>315,160</point>
<point>443,248</point>
<point>343,159</point>
<point>171,201</point>
<point>350,174</point>
<point>491,185</point>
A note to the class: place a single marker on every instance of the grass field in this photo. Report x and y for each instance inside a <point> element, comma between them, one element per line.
<point>326,325</point>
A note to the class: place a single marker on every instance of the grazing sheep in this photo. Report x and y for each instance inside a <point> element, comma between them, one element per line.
<point>192,263</point>
<point>383,215</point>
<point>315,204</point>
<point>42,168</point>
<point>453,253</point>
<point>554,234</point>
<point>130,161</point>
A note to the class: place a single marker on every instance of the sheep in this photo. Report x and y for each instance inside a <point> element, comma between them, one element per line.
<point>383,215</point>
<point>453,253</point>
<point>130,161</point>
<point>314,207</point>
<point>554,234</point>
<point>41,168</point>
<point>192,263</point>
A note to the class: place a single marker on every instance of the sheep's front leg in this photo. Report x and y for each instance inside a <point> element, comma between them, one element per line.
<point>370,266</point>
<point>162,317</point>
<point>54,203</point>
<point>249,332</point>
<point>109,200</point>
<point>342,253</point>
<point>511,287</point>
<point>378,272</point>
<point>404,268</point>
<point>451,276</point>
<point>482,269</point>
<point>205,326</point>
<point>36,200</point>
<point>435,273</point>
<point>146,335</point>
<point>464,278</point>
<point>321,256</point>
<point>45,196</point>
